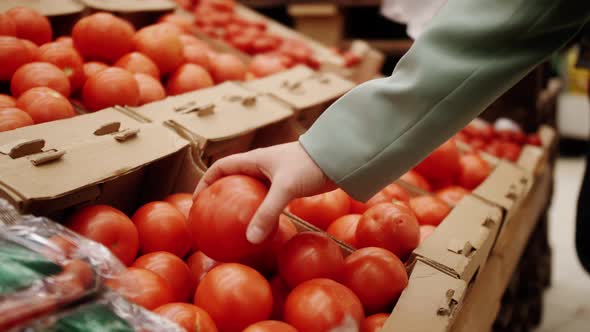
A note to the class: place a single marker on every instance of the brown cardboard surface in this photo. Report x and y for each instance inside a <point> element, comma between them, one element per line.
<point>130,6</point>
<point>430,303</point>
<point>462,242</point>
<point>45,7</point>
<point>302,88</point>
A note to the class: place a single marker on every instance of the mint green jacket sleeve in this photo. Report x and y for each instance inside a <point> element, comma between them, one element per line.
<point>473,51</point>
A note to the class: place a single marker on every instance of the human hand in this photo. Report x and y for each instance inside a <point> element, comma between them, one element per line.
<point>291,172</point>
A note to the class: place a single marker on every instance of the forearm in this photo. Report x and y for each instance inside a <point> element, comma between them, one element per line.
<point>473,52</point>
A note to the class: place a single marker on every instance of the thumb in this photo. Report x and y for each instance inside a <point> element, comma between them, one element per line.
<point>267,216</point>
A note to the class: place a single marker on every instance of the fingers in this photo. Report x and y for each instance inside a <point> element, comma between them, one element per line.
<point>244,163</point>
<point>267,216</point>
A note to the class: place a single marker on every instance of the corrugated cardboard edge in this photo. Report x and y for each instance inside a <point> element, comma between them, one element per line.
<point>430,303</point>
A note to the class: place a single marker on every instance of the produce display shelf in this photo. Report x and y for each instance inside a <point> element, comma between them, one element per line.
<point>482,302</point>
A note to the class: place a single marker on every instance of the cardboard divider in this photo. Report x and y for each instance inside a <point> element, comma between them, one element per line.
<point>306,91</point>
<point>139,12</point>
<point>223,120</point>
<point>430,303</point>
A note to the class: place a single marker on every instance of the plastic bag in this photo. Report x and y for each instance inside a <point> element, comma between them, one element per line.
<point>416,14</point>
<point>109,313</point>
<point>44,266</point>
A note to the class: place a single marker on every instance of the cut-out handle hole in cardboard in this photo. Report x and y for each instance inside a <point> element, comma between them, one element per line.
<point>33,149</point>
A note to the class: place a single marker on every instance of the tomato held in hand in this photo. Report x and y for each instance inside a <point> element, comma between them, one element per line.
<point>200,265</point>
<point>44,105</point>
<point>376,276</point>
<point>344,229</point>
<point>90,32</point>
<point>321,209</point>
<point>280,291</point>
<point>172,269</point>
<point>188,316</point>
<point>136,62</point>
<point>414,178</point>
<point>235,296</point>
<point>426,231</point>
<point>442,164</point>
<point>108,226</point>
<point>220,216</point>
<point>161,227</point>
<point>31,25</point>
<point>309,255</point>
<point>162,45</point>
<point>12,118</point>
<point>110,87</point>
<point>452,195</point>
<point>181,201</point>
<point>142,287</point>
<point>429,210</point>
<point>388,194</point>
<point>14,53</point>
<point>321,305</point>
<point>266,260</point>
<point>391,226</point>
<point>474,170</point>
<point>374,323</point>
<point>39,74</point>
<point>270,326</point>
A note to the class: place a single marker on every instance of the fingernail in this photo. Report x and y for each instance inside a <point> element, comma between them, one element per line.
<point>255,234</point>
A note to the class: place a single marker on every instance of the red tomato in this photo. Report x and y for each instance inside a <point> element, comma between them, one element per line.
<point>429,210</point>
<point>12,118</point>
<point>317,253</point>
<point>39,74</point>
<point>161,45</point>
<point>322,209</point>
<point>221,5</point>
<point>184,22</point>
<point>110,87</point>
<point>150,89</point>
<point>242,42</point>
<point>220,216</point>
<point>143,287</point>
<point>391,226</point>
<point>265,43</point>
<point>66,41</point>
<point>376,276</point>
<point>296,49</point>
<point>188,316</point>
<point>265,261</point>
<point>67,59</point>
<point>44,105</point>
<point>414,178</point>
<point>108,226</point>
<point>494,148</point>
<point>270,326</point>
<point>534,139</point>
<point>452,195</point>
<point>480,129</point>
<point>188,77</point>
<point>93,67</point>
<point>197,55</point>
<point>321,305</point>
<point>31,25</point>
<point>388,194</point>
<point>374,323</point>
<point>279,296</point>
<point>200,265</point>
<point>136,62</point>
<point>426,231</point>
<point>172,269</point>
<point>7,101</point>
<point>442,164</point>
<point>344,229</point>
<point>7,25</point>
<point>478,144</point>
<point>510,151</point>
<point>474,171</point>
<point>357,207</point>
<point>14,53</point>
<point>190,40</point>
<point>181,201</point>
<point>235,296</point>
<point>90,32</point>
<point>162,227</point>
<point>227,67</point>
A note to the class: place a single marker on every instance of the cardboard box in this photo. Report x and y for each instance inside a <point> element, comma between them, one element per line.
<point>139,12</point>
<point>222,120</point>
<point>107,157</point>
<point>306,91</point>
<point>320,21</point>
<point>430,303</point>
